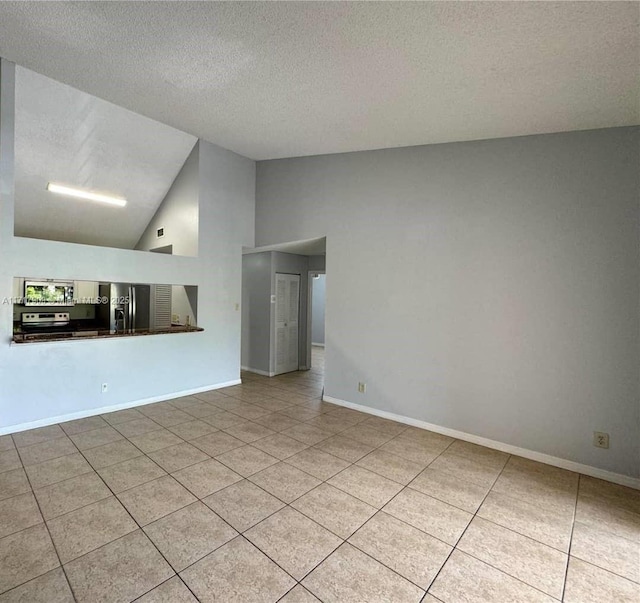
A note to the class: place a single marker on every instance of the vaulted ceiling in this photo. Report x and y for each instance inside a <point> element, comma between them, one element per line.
<point>279,79</point>
<point>69,137</point>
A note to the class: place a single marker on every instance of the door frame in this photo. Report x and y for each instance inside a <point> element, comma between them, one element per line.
<point>310,274</point>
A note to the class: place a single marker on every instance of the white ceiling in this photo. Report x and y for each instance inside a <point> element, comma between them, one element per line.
<point>70,137</point>
<point>279,79</point>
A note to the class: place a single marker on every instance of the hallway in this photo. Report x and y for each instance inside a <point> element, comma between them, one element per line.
<point>317,361</point>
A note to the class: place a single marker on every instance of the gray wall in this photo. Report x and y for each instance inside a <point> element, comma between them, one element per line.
<point>317,262</point>
<point>503,299</point>
<point>70,373</point>
<point>177,214</point>
<point>317,309</point>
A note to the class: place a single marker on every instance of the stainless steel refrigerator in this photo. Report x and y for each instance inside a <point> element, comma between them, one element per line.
<point>130,307</point>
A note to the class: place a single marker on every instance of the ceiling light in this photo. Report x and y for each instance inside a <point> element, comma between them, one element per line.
<point>81,194</point>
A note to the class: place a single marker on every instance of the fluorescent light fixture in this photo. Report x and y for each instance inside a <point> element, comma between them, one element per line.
<point>80,194</point>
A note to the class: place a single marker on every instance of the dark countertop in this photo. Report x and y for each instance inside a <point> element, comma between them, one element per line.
<point>20,336</point>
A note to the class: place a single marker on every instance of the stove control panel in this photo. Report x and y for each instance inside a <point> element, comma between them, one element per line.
<point>48,318</point>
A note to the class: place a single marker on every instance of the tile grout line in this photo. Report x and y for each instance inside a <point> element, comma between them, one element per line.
<point>378,510</point>
<point>239,534</point>
<point>354,463</point>
<point>344,540</point>
<point>128,513</point>
<point>351,464</point>
<point>286,504</point>
<point>502,526</point>
<point>460,509</point>
<point>242,534</point>
<point>490,489</point>
<point>573,525</point>
<point>175,575</point>
<point>94,471</point>
<point>46,525</point>
<point>141,528</point>
<point>455,547</point>
<point>253,544</point>
<point>298,582</point>
<point>593,564</point>
<point>513,531</point>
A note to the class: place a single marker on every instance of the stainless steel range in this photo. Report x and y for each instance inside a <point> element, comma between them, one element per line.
<point>44,320</point>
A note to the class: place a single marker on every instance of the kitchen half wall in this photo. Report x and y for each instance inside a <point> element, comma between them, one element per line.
<point>42,383</point>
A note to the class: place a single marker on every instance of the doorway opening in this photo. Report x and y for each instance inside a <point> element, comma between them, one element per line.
<point>277,308</point>
<point>315,321</point>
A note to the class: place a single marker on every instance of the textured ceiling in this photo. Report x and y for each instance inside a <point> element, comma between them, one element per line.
<point>278,79</point>
<point>70,137</point>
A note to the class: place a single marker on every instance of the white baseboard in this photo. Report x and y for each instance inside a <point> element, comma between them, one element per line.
<point>257,371</point>
<point>83,414</point>
<point>318,345</point>
<point>610,476</point>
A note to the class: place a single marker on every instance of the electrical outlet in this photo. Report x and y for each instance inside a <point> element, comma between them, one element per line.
<point>600,440</point>
<point>105,388</point>
<point>362,387</point>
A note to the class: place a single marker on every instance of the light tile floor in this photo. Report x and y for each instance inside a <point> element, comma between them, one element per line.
<point>264,493</point>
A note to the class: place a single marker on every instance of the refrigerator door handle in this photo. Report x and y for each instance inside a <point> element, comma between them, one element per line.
<point>129,309</point>
<point>135,309</point>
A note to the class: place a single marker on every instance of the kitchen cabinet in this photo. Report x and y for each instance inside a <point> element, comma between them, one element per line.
<point>85,292</point>
<point>160,306</point>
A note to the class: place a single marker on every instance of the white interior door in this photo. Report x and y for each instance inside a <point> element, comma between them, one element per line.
<point>287,312</point>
